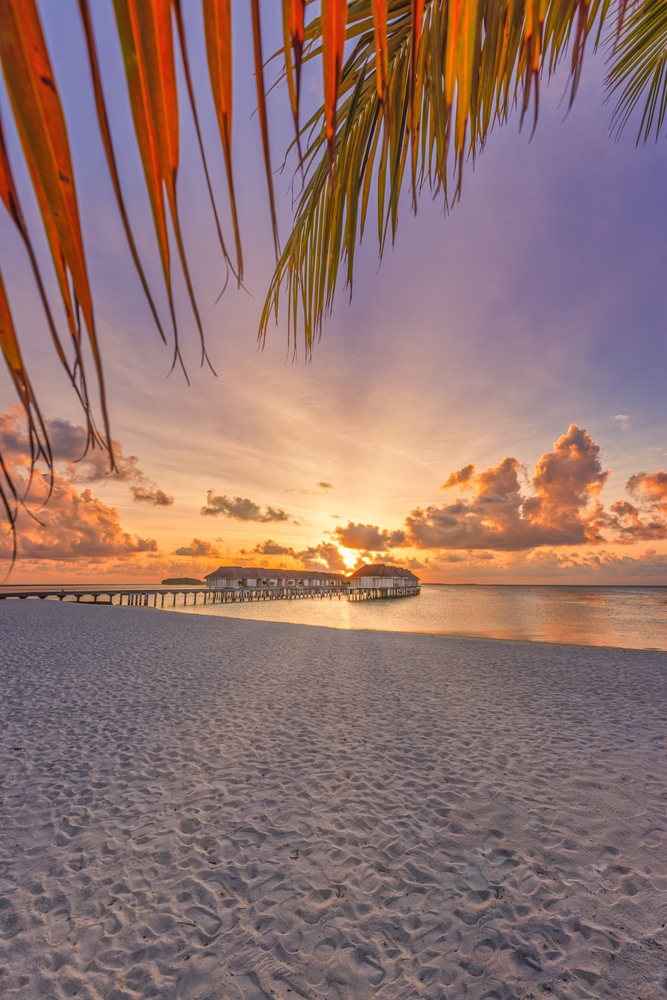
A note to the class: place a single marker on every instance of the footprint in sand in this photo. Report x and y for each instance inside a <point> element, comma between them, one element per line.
<point>324,949</point>
<point>369,969</point>
<point>87,945</point>
<point>493,838</point>
<point>483,951</point>
<point>190,825</point>
<point>58,922</point>
<point>653,838</point>
<point>529,885</point>
<point>10,925</point>
<point>607,854</point>
<point>208,924</point>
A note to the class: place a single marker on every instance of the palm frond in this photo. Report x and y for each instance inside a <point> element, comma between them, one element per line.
<point>41,126</point>
<point>639,69</point>
<point>455,68</point>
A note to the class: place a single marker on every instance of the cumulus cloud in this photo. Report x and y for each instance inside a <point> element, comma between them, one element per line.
<point>460,478</point>
<point>545,565</point>
<point>644,520</point>
<point>325,555</point>
<point>650,488</point>
<point>151,495</point>
<point>271,548</point>
<point>315,557</point>
<point>197,549</point>
<point>367,537</point>
<point>241,509</point>
<point>73,526</point>
<point>78,464</point>
<point>623,421</point>
<point>325,486</point>
<point>563,510</point>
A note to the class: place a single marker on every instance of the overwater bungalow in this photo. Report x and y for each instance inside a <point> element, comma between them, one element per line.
<point>379,577</point>
<point>229,577</point>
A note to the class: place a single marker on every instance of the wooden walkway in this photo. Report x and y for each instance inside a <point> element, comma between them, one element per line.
<point>379,593</point>
<point>158,598</point>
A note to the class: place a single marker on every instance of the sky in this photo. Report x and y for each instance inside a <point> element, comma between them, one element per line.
<point>487,408</point>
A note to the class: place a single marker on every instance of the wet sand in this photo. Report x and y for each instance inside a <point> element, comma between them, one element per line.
<point>212,808</point>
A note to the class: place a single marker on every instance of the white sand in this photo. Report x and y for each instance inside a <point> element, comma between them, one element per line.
<point>212,808</point>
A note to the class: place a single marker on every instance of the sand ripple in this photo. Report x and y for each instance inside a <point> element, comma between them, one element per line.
<point>210,808</point>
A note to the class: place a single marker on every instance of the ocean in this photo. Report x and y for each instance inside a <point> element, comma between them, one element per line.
<point>625,617</point>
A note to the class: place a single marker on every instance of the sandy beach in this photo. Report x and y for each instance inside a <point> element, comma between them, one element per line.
<point>199,807</point>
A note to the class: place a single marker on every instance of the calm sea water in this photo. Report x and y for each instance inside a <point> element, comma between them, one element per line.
<point>630,617</point>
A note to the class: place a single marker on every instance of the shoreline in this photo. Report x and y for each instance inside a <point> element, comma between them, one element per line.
<point>194,611</point>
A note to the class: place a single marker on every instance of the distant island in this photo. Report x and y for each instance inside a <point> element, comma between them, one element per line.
<point>181,581</point>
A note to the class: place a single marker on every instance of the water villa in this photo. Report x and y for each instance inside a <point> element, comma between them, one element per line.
<point>381,581</point>
<point>230,577</point>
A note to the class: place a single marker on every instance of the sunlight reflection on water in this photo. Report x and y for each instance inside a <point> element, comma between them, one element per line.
<point>630,617</point>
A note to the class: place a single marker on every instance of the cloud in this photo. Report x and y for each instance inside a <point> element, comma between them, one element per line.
<point>325,486</point>
<point>367,537</point>
<point>241,509</point>
<point>151,495</point>
<point>271,548</point>
<point>324,555</point>
<point>459,478</point>
<point>644,520</point>
<point>73,526</point>
<point>598,566</point>
<point>623,420</point>
<point>78,464</point>
<point>650,488</point>
<point>198,548</point>
<point>563,510</point>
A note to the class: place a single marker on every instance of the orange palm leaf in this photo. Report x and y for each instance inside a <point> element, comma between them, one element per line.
<point>380,14</point>
<point>218,33</point>
<point>41,125</point>
<point>334,19</point>
<point>105,132</point>
<point>145,29</point>
<point>37,436</point>
<point>10,197</point>
<point>294,33</point>
<point>180,25</point>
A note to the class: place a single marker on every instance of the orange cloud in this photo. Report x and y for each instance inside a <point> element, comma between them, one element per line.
<point>323,555</point>
<point>645,521</point>
<point>650,488</point>
<point>198,549</point>
<point>241,509</point>
<point>599,565</point>
<point>367,537</point>
<point>564,509</point>
<point>72,526</point>
<point>271,548</point>
<point>459,478</point>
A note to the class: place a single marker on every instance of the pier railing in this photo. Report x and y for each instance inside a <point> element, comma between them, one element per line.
<point>156,597</point>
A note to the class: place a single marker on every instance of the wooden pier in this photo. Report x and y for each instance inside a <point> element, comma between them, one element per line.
<point>155,597</point>
<point>182,597</point>
<point>380,593</point>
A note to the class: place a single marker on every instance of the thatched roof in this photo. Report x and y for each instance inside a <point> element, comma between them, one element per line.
<point>226,573</point>
<point>264,573</point>
<point>382,570</point>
